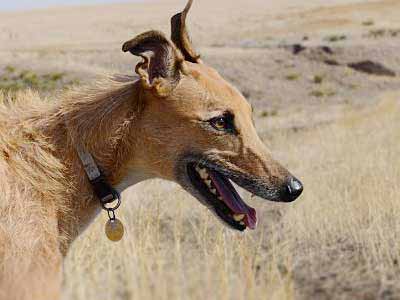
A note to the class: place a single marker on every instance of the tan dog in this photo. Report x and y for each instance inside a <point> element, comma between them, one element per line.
<point>180,121</point>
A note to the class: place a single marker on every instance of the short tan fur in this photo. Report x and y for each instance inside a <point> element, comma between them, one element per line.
<point>176,113</point>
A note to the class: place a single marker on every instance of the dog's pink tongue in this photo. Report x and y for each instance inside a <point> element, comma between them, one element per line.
<point>251,219</point>
<point>233,200</point>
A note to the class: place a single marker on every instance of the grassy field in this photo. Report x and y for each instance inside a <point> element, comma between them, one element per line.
<point>340,240</point>
<point>335,128</point>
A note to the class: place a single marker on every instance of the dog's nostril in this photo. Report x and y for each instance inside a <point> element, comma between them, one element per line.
<point>294,188</point>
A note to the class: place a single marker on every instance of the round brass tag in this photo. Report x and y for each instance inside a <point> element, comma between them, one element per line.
<point>114,230</point>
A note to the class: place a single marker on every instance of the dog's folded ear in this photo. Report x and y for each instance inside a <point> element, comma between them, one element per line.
<point>180,35</point>
<point>162,62</point>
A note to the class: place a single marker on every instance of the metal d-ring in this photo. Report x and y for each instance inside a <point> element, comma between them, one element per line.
<point>111,214</point>
<point>117,198</point>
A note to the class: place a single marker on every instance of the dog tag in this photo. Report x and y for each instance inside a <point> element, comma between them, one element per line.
<point>114,230</point>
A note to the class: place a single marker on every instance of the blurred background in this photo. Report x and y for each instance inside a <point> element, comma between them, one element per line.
<point>32,4</point>
<point>323,77</point>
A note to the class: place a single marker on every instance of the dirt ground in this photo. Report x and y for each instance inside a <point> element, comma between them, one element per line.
<point>249,42</point>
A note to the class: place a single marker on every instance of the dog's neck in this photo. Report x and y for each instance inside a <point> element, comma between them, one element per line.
<point>102,121</point>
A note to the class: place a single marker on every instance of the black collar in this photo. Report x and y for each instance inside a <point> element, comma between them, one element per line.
<point>102,189</point>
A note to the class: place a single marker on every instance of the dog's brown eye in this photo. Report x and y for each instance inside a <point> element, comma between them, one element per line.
<point>220,123</point>
<point>223,123</point>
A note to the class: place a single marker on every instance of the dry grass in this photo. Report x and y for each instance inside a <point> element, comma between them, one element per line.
<point>341,239</point>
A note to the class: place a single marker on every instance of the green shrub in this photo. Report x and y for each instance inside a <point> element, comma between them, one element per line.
<point>12,80</point>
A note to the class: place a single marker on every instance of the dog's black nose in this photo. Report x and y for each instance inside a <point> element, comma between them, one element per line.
<point>294,189</point>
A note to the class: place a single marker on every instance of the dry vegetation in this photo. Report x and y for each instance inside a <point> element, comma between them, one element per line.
<point>335,128</point>
<point>341,238</point>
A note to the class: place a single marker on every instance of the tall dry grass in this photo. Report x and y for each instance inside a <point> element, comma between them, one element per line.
<point>340,240</point>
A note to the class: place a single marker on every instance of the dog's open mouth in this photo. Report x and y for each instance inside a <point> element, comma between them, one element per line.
<point>220,194</point>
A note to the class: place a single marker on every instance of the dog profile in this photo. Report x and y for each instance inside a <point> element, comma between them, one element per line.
<point>177,120</point>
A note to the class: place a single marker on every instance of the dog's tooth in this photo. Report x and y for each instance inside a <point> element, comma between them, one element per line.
<point>208,182</point>
<point>238,217</point>
<point>204,176</point>
<point>214,191</point>
<point>203,173</point>
<point>242,223</point>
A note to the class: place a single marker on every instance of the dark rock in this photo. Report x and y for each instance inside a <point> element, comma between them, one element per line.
<point>331,62</point>
<point>246,93</point>
<point>371,67</point>
<point>294,48</point>
<point>326,49</point>
<point>297,48</point>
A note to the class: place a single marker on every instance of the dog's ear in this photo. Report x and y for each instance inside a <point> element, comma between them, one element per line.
<point>180,35</point>
<point>162,62</point>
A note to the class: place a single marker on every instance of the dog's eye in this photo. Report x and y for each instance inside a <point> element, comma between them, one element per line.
<point>220,123</point>
<point>223,123</point>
